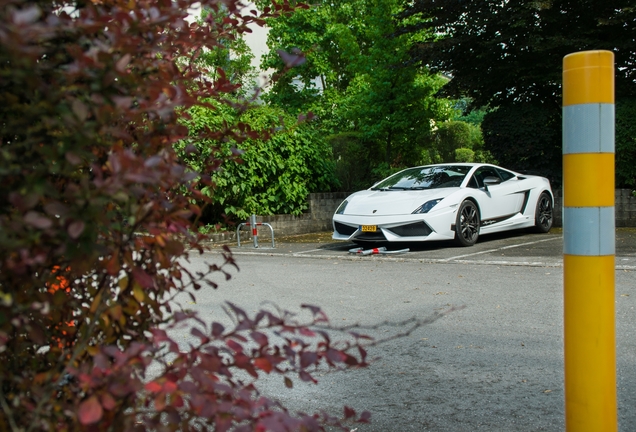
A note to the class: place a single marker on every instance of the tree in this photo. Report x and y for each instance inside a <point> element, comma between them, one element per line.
<point>626,142</point>
<point>502,52</point>
<point>509,54</point>
<point>98,216</point>
<point>525,137</point>
<point>357,78</point>
<point>231,55</point>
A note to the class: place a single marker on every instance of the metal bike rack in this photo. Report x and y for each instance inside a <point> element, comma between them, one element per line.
<point>254,226</point>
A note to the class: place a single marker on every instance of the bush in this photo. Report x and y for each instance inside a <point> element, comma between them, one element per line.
<point>270,171</point>
<point>95,231</point>
<point>464,155</point>
<point>454,141</point>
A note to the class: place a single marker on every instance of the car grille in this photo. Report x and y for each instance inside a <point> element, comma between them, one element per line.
<point>418,229</point>
<point>370,236</point>
<point>344,229</point>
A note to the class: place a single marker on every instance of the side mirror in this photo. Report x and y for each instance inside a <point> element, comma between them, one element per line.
<point>491,180</point>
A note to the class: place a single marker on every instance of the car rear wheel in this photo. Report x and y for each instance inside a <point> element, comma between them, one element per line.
<point>543,216</point>
<point>467,224</point>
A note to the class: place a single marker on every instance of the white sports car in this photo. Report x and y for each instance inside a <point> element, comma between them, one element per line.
<point>456,201</point>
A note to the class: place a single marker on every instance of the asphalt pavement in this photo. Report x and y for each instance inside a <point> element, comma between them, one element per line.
<point>520,247</point>
<point>495,365</point>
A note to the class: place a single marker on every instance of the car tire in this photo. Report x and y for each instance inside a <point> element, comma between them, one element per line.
<point>543,214</point>
<point>467,224</point>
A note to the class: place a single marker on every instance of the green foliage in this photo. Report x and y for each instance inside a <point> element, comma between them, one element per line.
<point>626,142</point>
<point>456,141</point>
<point>271,176</point>
<point>357,79</point>
<point>381,171</point>
<point>353,161</point>
<point>464,155</point>
<point>451,136</point>
<point>467,114</point>
<point>231,56</point>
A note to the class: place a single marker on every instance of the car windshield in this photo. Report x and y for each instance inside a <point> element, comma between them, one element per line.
<point>428,177</point>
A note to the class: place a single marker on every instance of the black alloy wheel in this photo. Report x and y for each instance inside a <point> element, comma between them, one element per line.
<point>543,216</point>
<point>467,224</point>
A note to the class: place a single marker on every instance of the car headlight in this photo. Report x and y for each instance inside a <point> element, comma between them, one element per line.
<point>341,208</point>
<point>427,206</point>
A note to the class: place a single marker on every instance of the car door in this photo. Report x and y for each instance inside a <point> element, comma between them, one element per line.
<point>499,201</point>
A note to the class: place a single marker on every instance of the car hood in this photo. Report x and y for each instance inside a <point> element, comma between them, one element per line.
<point>385,203</point>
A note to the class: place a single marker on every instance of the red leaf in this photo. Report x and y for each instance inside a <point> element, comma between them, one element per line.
<point>363,353</point>
<point>75,229</point>
<point>37,220</point>
<point>198,333</point>
<point>217,329</point>
<point>307,359</point>
<point>365,417</point>
<point>336,356</point>
<point>108,401</point>
<point>306,377</point>
<point>234,346</point>
<point>170,387</point>
<point>314,309</point>
<point>177,401</point>
<point>263,364</point>
<point>90,411</point>
<point>259,338</point>
<point>349,412</point>
<point>351,360</point>
<point>307,332</point>
<point>153,387</point>
<point>112,265</point>
<point>296,58</point>
<point>122,63</point>
<point>143,278</point>
<point>160,402</point>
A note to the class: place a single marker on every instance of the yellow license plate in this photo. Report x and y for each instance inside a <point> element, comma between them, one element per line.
<point>369,228</point>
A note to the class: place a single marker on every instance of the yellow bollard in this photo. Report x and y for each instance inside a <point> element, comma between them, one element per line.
<point>589,242</point>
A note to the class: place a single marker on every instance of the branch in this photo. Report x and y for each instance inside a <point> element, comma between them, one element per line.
<point>7,410</point>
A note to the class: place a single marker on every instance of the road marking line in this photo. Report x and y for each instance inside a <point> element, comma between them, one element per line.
<point>349,257</point>
<point>498,249</point>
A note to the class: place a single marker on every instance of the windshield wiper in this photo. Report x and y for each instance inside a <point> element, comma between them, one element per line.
<point>390,188</point>
<point>419,187</point>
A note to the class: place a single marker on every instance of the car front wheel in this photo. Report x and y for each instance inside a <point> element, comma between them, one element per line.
<point>543,214</point>
<point>467,224</point>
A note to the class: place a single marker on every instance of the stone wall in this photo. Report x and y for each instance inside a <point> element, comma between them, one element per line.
<point>624,202</point>
<point>323,205</point>
<point>318,218</point>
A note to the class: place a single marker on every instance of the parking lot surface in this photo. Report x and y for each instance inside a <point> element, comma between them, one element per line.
<point>512,248</point>
<point>495,365</point>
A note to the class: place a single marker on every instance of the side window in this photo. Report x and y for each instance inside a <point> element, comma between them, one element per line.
<point>480,175</point>
<point>505,175</point>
